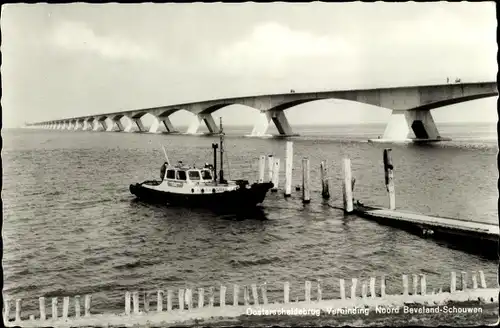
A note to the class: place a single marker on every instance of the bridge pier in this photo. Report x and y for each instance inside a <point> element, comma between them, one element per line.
<point>80,125</point>
<point>403,122</point>
<point>139,124</point>
<point>209,122</point>
<point>129,124</point>
<point>118,123</point>
<point>279,119</point>
<point>103,124</point>
<point>87,125</point>
<point>168,124</point>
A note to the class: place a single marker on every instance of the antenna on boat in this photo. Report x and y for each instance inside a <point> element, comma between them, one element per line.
<point>221,135</point>
<point>164,152</point>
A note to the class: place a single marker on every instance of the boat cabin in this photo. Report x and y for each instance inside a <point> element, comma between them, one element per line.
<point>188,174</point>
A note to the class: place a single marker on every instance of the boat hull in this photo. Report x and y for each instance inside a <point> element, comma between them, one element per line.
<point>235,200</point>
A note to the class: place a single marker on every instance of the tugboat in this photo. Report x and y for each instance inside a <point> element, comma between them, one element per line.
<point>183,185</point>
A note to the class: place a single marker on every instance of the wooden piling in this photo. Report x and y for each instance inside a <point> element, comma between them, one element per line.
<point>159,301</point>
<point>270,164</point>
<point>222,296</point>
<point>6,313</point>
<point>320,292</point>
<point>246,296</point>
<point>389,178</point>
<point>423,285</point>
<point>325,190</point>
<point>276,175</point>
<point>286,292</point>
<point>482,279</point>
<point>342,289</point>
<point>88,299</point>
<point>41,303</point>
<point>54,308</point>
<point>353,288</point>
<point>453,284</point>
<point>181,299</point>
<point>307,296</point>
<point>65,307</point>
<point>382,286</point>
<point>262,167</point>
<point>201,298</point>
<point>347,185</point>
<point>127,303</point>
<point>415,284</point>
<point>306,196</point>
<point>135,299</point>
<point>255,294</point>
<point>263,289</point>
<point>77,306</point>
<point>405,284</point>
<point>288,168</point>
<point>189,298</point>
<point>32,317</point>
<point>18,309</point>
<point>170,296</point>
<point>364,291</point>
<point>372,287</point>
<point>211,297</point>
<point>464,280</point>
<point>236,294</point>
<point>474,280</point>
<point>146,302</point>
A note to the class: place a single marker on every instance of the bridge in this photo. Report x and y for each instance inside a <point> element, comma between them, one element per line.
<point>410,107</point>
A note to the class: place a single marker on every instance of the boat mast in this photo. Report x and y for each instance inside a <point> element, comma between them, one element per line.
<point>215,146</point>
<point>221,135</point>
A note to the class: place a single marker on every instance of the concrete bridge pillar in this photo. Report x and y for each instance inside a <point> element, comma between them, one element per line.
<point>103,124</point>
<point>86,125</point>
<point>129,125</point>
<point>402,122</point>
<point>279,119</point>
<point>209,121</point>
<point>118,123</point>
<point>80,125</point>
<point>138,123</point>
<point>168,124</point>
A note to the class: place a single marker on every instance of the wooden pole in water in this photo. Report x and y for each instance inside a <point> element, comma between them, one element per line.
<point>135,298</point>
<point>263,289</point>
<point>236,292</point>
<point>286,292</point>
<point>353,288</point>
<point>222,302</point>
<point>453,284</point>
<point>405,284</point>
<point>18,309</point>
<point>307,295</point>
<point>255,294</point>
<point>464,280</point>
<point>77,305</point>
<point>54,308</point>
<point>65,307</point>
<point>482,279</point>
<point>201,297</point>
<point>41,302</point>
<point>389,178</point>
<point>270,164</point>
<point>170,295</point>
<point>325,192</point>
<point>347,186</point>
<point>159,301</point>
<point>262,166</point>
<point>88,298</point>
<point>306,197</point>
<point>423,285</point>
<point>342,289</point>
<point>372,287</point>
<point>127,303</point>
<point>211,297</point>
<point>276,174</point>
<point>288,168</point>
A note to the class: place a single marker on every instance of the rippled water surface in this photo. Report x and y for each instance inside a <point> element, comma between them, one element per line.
<point>72,227</point>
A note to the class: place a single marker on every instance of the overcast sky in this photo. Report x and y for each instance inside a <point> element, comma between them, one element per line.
<point>76,59</point>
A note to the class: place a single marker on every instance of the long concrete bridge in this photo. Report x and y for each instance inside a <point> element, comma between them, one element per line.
<point>410,107</point>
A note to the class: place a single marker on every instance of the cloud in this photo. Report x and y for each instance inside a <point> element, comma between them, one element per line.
<point>76,36</point>
<point>271,47</point>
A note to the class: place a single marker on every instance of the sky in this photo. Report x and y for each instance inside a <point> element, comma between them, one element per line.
<point>67,60</point>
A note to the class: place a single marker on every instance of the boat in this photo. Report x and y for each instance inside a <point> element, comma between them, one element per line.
<point>183,185</point>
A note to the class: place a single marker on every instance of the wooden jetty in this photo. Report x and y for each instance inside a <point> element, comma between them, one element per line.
<point>477,237</point>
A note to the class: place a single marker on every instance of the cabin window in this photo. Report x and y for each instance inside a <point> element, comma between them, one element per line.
<point>194,175</point>
<point>206,175</point>
<point>171,174</point>
<point>181,175</point>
